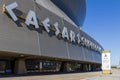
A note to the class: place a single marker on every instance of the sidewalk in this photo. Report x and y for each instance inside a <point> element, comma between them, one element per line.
<point>71,76</point>
<point>68,76</point>
<point>114,76</point>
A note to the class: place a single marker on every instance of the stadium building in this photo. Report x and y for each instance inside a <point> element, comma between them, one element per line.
<point>45,36</point>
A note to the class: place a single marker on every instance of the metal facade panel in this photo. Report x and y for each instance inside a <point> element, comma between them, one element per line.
<point>16,36</point>
<point>53,47</point>
<point>42,13</point>
<point>88,55</point>
<point>50,45</point>
<point>75,52</point>
<point>49,5</point>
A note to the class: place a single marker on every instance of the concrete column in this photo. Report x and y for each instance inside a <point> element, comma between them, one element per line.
<point>89,67</point>
<point>20,67</point>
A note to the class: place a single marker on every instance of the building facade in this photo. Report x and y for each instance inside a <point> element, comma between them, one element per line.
<point>44,36</point>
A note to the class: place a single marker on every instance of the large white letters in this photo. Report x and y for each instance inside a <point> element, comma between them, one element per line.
<point>78,38</point>
<point>57,28</point>
<point>65,33</point>
<point>46,24</point>
<point>31,19</point>
<point>9,8</point>
<point>72,36</point>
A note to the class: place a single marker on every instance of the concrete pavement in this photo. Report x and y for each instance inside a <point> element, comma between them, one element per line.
<point>114,76</point>
<point>73,76</point>
<point>70,76</point>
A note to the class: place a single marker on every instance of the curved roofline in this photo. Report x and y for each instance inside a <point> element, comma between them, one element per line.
<point>75,9</point>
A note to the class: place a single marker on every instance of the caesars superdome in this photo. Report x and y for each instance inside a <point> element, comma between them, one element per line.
<point>45,36</point>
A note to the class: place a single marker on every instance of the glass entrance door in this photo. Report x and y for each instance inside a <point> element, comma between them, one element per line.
<point>7,66</point>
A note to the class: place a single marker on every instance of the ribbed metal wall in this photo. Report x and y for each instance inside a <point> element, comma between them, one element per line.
<point>17,37</point>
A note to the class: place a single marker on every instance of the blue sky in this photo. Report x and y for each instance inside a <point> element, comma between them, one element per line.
<point>103,24</point>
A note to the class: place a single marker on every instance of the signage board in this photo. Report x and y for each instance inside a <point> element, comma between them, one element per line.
<point>106,64</point>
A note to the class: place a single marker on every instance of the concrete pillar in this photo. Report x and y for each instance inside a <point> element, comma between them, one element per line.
<point>89,67</point>
<point>20,67</point>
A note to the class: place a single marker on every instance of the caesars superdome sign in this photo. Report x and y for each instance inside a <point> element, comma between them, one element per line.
<point>31,19</point>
